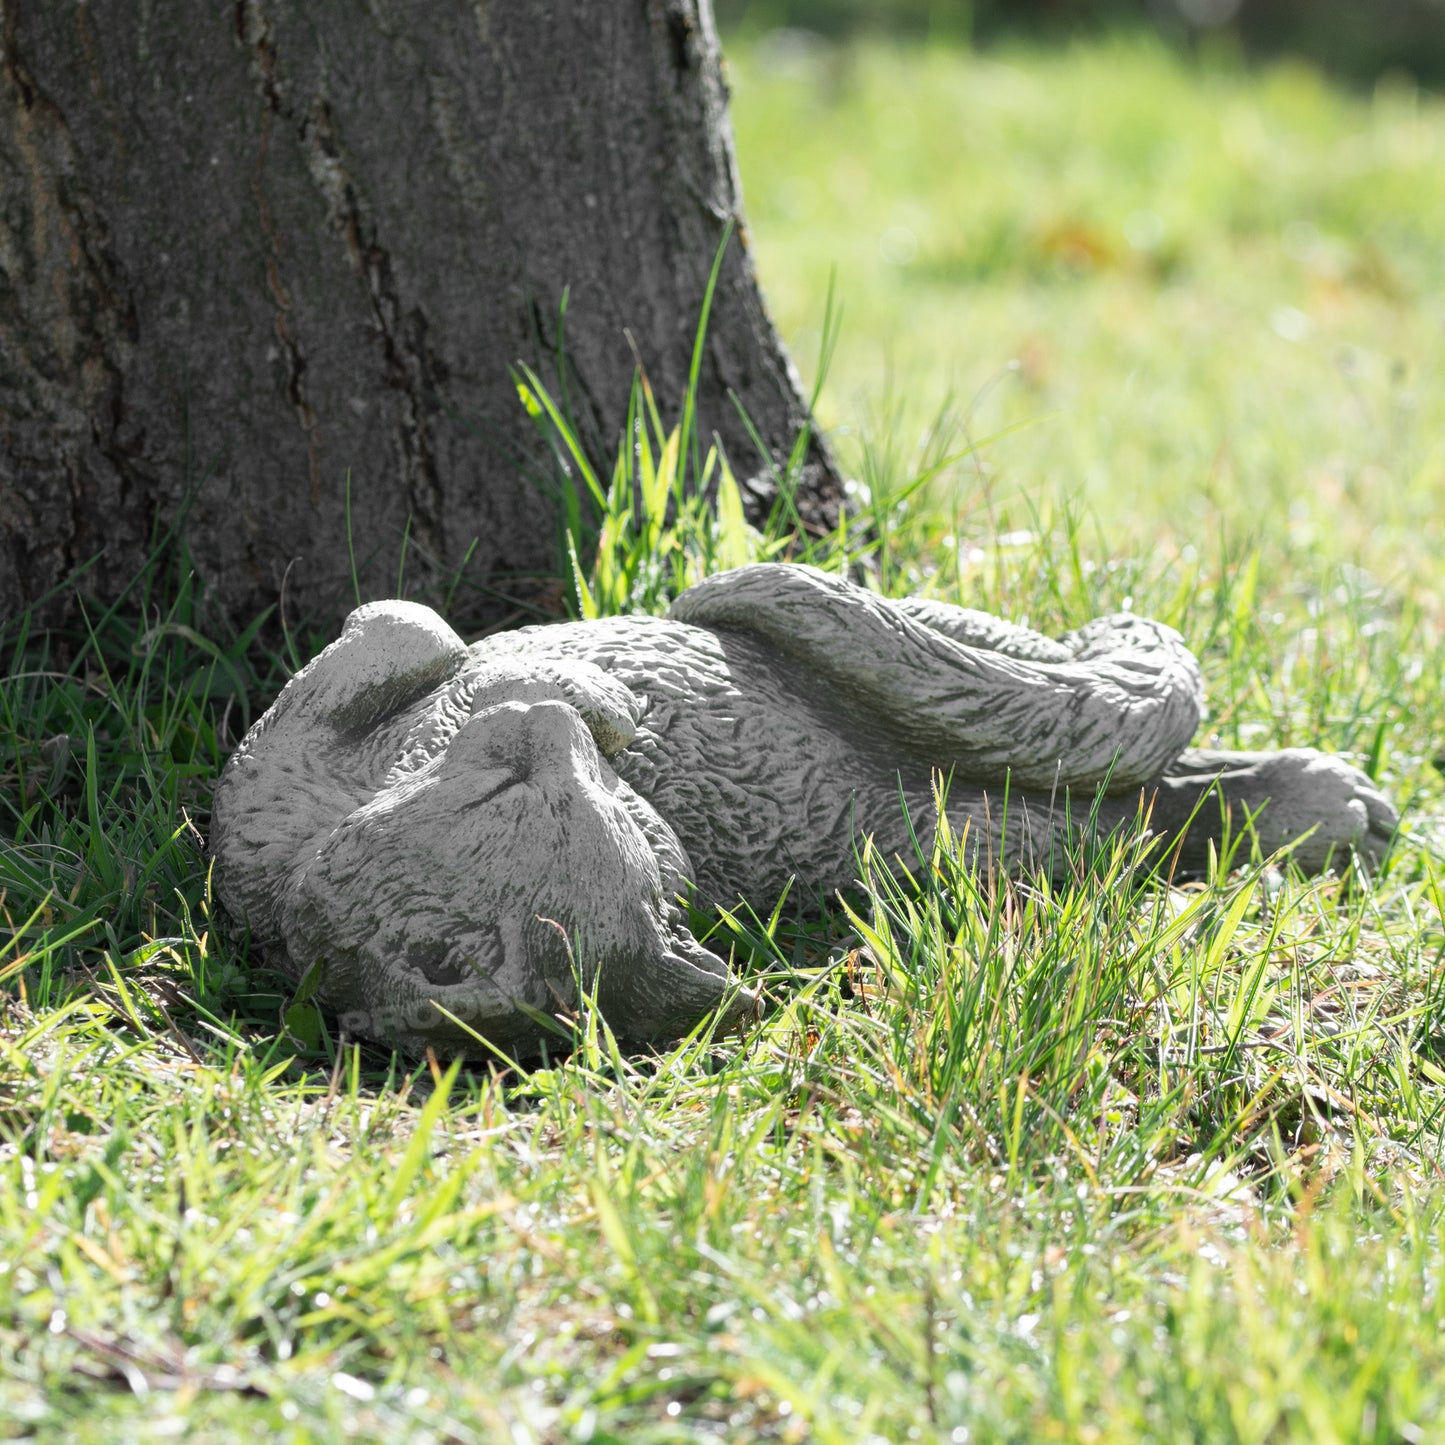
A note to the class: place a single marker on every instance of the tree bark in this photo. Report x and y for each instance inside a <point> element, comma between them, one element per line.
<point>247,250</point>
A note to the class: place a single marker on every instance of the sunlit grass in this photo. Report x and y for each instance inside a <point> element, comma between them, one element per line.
<point>1208,298</point>
<point>1095,1159</point>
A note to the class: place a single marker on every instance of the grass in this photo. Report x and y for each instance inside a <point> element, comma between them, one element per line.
<point>1203,297</point>
<point>1101,1160</point>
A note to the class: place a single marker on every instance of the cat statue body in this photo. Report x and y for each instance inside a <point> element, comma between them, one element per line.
<point>458,838</point>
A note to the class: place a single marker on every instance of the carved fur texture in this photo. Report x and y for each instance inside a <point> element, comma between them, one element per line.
<point>461,838</point>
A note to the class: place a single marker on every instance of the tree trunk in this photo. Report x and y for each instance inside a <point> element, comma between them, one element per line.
<point>249,249</point>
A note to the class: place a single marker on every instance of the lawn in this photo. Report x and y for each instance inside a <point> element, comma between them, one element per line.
<point>1209,299</point>
<point>1094,1159</point>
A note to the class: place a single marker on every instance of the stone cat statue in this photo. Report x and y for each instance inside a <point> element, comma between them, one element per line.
<point>458,837</point>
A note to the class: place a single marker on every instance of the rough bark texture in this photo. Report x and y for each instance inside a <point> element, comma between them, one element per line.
<point>247,248</point>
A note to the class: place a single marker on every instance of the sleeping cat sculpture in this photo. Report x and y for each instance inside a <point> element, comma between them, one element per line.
<point>457,837</point>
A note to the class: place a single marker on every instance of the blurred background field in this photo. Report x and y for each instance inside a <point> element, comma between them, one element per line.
<point>1191,292</point>
<point>1354,38</point>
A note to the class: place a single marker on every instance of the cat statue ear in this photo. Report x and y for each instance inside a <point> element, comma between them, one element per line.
<point>297,773</point>
<point>441,836</point>
<point>388,654</point>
